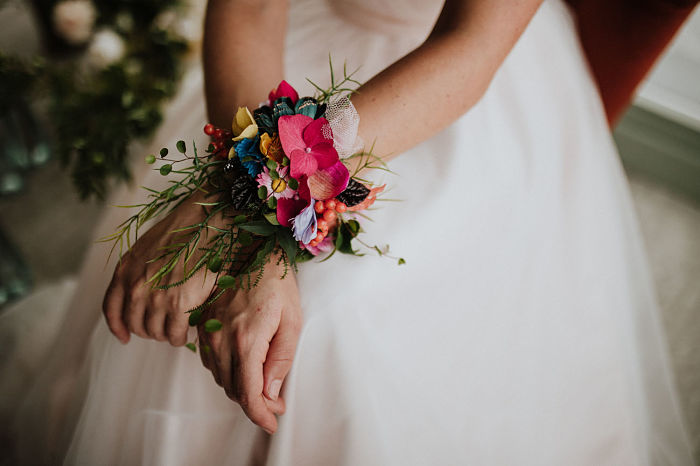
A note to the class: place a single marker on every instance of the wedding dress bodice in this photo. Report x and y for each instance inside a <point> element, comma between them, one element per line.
<point>389,15</point>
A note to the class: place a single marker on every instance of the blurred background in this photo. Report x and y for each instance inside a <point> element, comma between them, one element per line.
<point>52,194</point>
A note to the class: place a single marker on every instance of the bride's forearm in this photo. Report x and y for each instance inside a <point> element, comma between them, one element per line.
<point>242,53</point>
<point>431,87</point>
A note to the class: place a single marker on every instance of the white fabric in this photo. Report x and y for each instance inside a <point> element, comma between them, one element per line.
<point>522,330</point>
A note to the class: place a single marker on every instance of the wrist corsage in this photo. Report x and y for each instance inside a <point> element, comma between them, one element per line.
<point>277,184</point>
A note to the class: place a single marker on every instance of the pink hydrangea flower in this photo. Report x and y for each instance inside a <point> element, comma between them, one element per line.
<point>309,146</point>
<point>306,145</point>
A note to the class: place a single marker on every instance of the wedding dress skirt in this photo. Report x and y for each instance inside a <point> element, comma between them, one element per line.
<point>522,330</point>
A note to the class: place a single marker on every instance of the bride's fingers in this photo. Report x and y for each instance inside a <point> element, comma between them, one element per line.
<point>154,321</point>
<point>112,308</point>
<point>205,355</point>
<point>223,359</point>
<point>134,310</point>
<point>249,381</point>
<point>212,345</point>
<point>280,354</point>
<point>155,314</point>
<point>176,326</point>
<point>277,406</point>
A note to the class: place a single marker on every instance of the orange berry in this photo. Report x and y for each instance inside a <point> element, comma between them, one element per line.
<point>340,207</point>
<point>330,216</point>
<point>314,243</point>
<point>330,204</point>
<point>322,224</point>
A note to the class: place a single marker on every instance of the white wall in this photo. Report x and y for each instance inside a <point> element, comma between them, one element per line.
<point>673,89</point>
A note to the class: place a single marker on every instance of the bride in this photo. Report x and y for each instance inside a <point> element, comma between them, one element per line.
<point>522,329</point>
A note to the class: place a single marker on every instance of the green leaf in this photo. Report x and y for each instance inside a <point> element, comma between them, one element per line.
<point>262,192</point>
<point>163,152</point>
<point>166,169</point>
<point>272,218</point>
<point>214,264</point>
<point>181,147</point>
<point>226,282</point>
<point>402,261</point>
<point>195,317</point>
<point>274,175</point>
<point>354,227</point>
<point>272,203</point>
<point>150,159</point>
<point>343,240</point>
<point>244,238</point>
<point>212,325</point>
<point>238,219</point>
<point>263,254</point>
<point>294,184</point>
<point>259,227</point>
<point>192,347</point>
<point>271,164</point>
<point>288,243</point>
<point>303,256</point>
<point>285,161</point>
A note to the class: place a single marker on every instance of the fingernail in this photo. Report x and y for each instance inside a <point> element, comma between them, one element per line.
<point>274,390</point>
<point>267,430</point>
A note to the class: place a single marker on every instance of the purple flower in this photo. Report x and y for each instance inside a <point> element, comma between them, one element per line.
<point>304,224</point>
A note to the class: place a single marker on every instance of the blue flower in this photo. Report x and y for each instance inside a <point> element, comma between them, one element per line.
<point>249,154</point>
<point>304,224</point>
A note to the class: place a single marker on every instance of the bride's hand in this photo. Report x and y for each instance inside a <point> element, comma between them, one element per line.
<point>131,305</point>
<point>252,353</point>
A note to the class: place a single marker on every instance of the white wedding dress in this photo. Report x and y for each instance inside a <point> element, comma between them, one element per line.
<point>522,330</point>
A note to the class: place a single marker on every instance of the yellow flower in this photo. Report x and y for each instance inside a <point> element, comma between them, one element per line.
<point>231,153</point>
<point>265,142</point>
<point>244,125</point>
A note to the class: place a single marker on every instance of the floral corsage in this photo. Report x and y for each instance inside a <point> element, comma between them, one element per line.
<point>279,178</point>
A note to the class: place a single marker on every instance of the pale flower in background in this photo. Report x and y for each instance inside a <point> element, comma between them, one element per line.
<point>165,20</point>
<point>124,21</point>
<point>185,26</point>
<point>189,28</point>
<point>73,20</point>
<point>107,47</point>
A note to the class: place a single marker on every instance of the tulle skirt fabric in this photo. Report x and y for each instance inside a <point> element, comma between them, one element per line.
<point>522,329</point>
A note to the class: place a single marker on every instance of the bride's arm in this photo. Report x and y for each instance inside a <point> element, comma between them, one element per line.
<point>243,54</point>
<point>428,89</point>
<point>252,354</point>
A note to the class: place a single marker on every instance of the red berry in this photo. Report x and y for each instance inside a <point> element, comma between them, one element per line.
<point>330,216</point>
<point>340,207</point>
<point>208,129</point>
<point>218,134</point>
<point>322,224</point>
<point>330,204</point>
<point>319,207</point>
